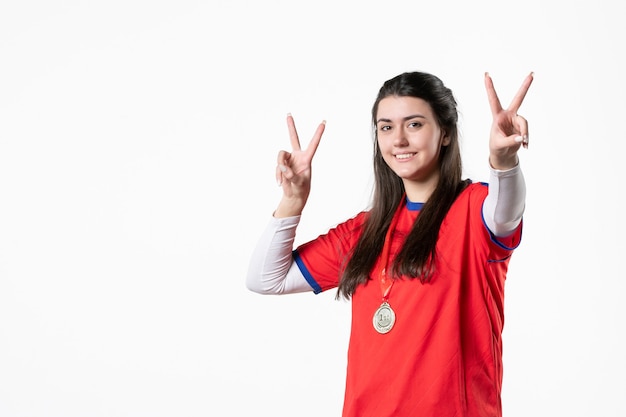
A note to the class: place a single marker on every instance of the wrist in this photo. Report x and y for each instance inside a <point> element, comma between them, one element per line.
<point>502,163</point>
<point>289,207</point>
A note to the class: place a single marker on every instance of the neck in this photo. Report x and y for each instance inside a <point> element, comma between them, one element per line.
<point>420,191</point>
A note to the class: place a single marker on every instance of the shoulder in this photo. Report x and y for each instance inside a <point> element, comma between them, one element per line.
<point>474,193</point>
<point>476,188</point>
<point>345,232</point>
<point>467,208</point>
<point>353,223</point>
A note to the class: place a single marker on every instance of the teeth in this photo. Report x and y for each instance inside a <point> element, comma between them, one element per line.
<point>405,155</point>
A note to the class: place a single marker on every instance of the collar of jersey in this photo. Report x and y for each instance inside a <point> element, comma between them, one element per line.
<point>412,206</point>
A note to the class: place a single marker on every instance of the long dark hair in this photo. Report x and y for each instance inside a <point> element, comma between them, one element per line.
<point>416,259</point>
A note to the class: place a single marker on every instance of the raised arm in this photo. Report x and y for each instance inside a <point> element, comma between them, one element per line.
<point>272,269</point>
<point>505,203</point>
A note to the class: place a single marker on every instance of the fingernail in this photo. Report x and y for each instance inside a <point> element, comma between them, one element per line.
<point>282,168</point>
<point>519,139</point>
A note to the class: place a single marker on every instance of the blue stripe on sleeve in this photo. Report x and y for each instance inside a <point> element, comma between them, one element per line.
<point>307,275</point>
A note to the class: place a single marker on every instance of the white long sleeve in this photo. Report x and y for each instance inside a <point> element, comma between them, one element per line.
<point>272,269</point>
<point>505,203</point>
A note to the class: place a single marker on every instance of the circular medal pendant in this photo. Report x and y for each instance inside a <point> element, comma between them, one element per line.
<point>384,318</point>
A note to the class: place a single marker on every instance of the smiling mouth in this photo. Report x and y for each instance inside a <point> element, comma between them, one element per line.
<point>404,155</point>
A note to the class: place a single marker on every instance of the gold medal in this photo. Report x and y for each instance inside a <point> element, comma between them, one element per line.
<point>384,318</point>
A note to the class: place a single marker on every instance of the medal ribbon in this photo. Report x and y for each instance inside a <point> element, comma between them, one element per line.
<point>386,282</point>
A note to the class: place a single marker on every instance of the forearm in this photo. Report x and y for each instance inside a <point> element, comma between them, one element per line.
<point>272,269</point>
<point>504,205</point>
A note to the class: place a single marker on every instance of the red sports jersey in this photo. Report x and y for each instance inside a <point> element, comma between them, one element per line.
<point>443,357</point>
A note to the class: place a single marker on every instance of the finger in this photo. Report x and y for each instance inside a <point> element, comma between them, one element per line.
<point>279,174</point>
<point>522,128</point>
<point>523,140</point>
<point>521,93</point>
<point>281,166</point>
<point>283,158</point>
<point>494,101</point>
<point>293,133</point>
<point>315,141</point>
<point>521,124</point>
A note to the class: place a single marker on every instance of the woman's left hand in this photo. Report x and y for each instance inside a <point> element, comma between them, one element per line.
<point>509,130</point>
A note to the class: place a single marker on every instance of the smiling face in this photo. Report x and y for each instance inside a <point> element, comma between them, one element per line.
<point>410,142</point>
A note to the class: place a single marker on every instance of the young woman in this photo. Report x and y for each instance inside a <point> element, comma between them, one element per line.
<point>424,267</point>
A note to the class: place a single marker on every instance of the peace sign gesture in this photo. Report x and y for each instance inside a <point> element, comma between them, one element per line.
<point>293,171</point>
<point>509,130</point>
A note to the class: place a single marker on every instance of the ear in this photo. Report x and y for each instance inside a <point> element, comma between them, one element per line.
<point>445,139</point>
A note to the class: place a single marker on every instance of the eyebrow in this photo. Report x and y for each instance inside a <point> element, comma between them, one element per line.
<point>404,119</point>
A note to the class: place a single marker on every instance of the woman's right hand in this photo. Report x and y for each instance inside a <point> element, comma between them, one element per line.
<point>293,171</point>
<point>509,131</point>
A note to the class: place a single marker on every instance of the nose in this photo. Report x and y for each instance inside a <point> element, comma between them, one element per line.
<point>400,138</point>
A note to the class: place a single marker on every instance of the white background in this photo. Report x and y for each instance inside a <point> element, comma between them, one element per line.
<point>137,153</point>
